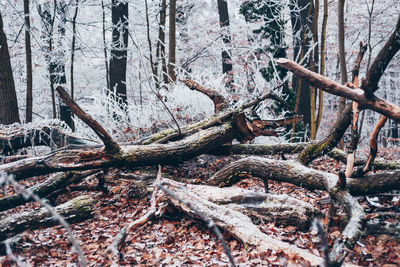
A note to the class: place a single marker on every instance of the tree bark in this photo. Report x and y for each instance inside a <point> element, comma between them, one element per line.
<point>52,136</point>
<point>130,155</point>
<point>300,16</point>
<point>357,95</point>
<point>119,49</point>
<point>237,224</point>
<point>172,41</point>
<point>8,97</point>
<point>75,210</point>
<point>28,51</point>
<point>226,38</point>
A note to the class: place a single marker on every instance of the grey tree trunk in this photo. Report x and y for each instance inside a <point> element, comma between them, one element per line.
<point>8,97</point>
<point>118,58</point>
<point>28,51</point>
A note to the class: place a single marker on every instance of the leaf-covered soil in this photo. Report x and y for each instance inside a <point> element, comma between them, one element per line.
<point>175,239</point>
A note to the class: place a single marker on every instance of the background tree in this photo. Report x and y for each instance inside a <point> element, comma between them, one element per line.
<point>301,16</point>
<point>172,41</point>
<point>119,49</point>
<point>28,51</point>
<point>226,38</point>
<point>272,29</point>
<point>8,97</point>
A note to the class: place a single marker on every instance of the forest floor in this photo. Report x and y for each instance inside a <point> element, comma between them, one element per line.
<point>176,239</point>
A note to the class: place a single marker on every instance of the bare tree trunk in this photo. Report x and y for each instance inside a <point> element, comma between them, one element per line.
<point>28,51</point>
<point>105,44</point>
<point>48,26</point>
<point>8,97</point>
<point>342,57</point>
<point>152,64</point>
<point>160,54</point>
<point>172,41</point>
<point>314,67</point>
<point>226,38</point>
<point>119,51</point>
<point>322,64</point>
<point>58,65</point>
<point>73,56</point>
<point>300,15</point>
<point>73,47</point>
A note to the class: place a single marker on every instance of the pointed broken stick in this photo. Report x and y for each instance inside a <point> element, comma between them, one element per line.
<point>110,145</point>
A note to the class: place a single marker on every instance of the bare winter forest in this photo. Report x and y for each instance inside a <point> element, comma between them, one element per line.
<point>199,133</point>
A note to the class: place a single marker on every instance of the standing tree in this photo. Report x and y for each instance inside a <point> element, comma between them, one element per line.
<point>226,38</point>
<point>119,49</point>
<point>55,55</point>
<point>301,15</point>
<point>172,41</point>
<point>28,51</point>
<point>8,97</point>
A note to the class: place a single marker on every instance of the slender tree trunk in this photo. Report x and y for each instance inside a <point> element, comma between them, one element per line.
<point>119,50</point>
<point>314,67</point>
<point>8,97</point>
<point>342,57</point>
<point>152,64</point>
<point>301,14</point>
<point>322,65</point>
<point>226,38</point>
<point>73,56</point>
<point>172,41</point>
<point>58,63</point>
<point>160,54</point>
<point>28,52</point>
<point>105,44</point>
<point>73,47</point>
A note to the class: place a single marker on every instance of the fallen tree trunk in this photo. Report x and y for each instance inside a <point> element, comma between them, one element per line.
<point>282,209</point>
<point>295,173</point>
<point>13,139</point>
<point>372,102</point>
<point>295,148</point>
<point>130,155</point>
<point>237,224</point>
<point>56,182</point>
<point>75,210</point>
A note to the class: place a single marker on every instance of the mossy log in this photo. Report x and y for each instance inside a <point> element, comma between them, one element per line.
<point>329,142</point>
<point>13,139</point>
<point>129,155</point>
<point>75,210</point>
<point>56,182</point>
